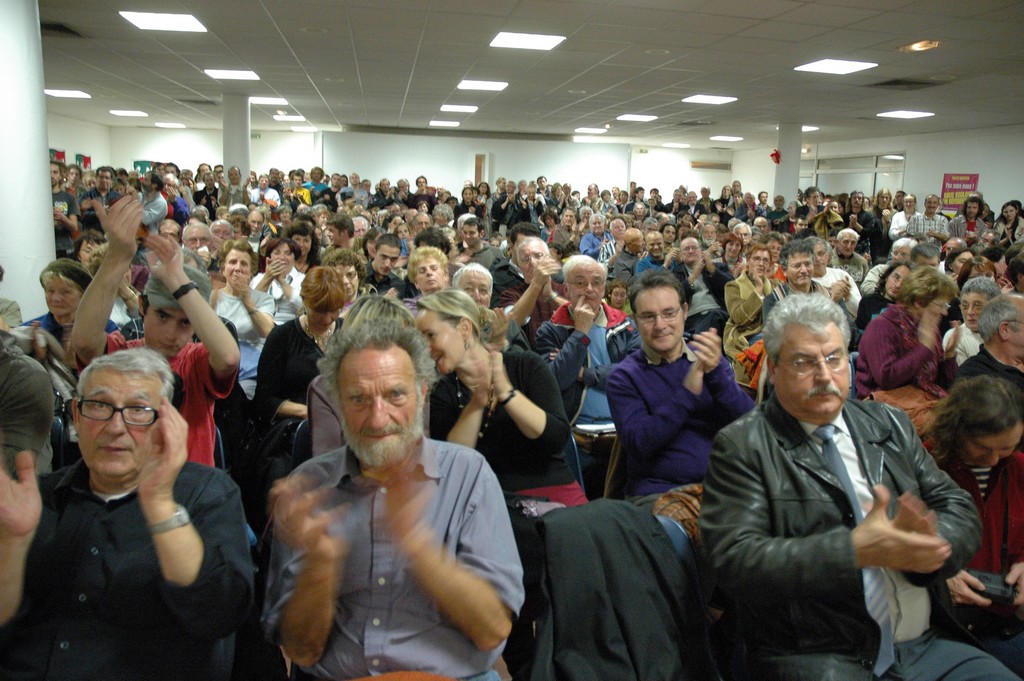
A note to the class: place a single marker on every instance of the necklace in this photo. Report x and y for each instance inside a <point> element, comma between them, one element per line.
<point>491,402</point>
<point>320,340</point>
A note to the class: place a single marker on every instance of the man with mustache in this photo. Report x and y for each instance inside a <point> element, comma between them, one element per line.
<point>831,527</point>
<point>394,553</point>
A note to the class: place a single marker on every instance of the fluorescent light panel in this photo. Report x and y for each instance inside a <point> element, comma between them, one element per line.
<point>709,99</point>
<point>527,41</point>
<point>676,145</point>
<point>900,113</point>
<point>156,21</point>
<point>836,67</point>
<point>444,124</point>
<point>893,157</point>
<point>231,74</point>
<point>68,94</point>
<point>725,138</point>
<point>490,85</point>
<point>289,118</point>
<point>459,108</point>
<point>591,131</point>
<point>129,113</point>
<point>172,126</point>
<point>809,128</point>
<point>268,101</point>
<point>639,118</point>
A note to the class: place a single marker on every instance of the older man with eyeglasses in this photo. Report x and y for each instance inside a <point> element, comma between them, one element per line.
<point>669,398</point>
<point>131,563</point>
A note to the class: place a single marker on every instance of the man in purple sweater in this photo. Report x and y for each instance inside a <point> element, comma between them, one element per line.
<point>670,398</point>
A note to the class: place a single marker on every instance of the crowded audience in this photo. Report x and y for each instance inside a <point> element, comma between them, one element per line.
<point>698,337</point>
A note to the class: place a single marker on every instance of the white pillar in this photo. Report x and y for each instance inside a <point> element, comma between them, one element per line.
<point>236,133</point>
<point>26,235</point>
<point>787,173</point>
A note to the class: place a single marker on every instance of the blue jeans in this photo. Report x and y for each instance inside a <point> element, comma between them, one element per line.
<point>930,658</point>
<point>489,675</point>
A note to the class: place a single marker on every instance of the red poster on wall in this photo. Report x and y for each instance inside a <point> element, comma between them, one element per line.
<point>58,155</point>
<point>956,187</point>
<point>84,161</point>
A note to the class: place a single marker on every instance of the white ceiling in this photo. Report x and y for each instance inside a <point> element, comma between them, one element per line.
<point>373,64</point>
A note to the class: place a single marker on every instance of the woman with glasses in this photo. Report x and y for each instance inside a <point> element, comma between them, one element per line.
<point>965,339</point>
<point>976,439</point>
<point>744,300</point>
<point>902,360</point>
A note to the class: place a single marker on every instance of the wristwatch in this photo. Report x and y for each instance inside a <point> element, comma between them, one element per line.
<point>180,518</point>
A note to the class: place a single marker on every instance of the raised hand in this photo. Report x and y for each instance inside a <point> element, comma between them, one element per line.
<point>20,503</point>
<point>166,262</point>
<point>121,224</point>
<point>302,519</point>
<point>166,451</point>
<point>583,315</point>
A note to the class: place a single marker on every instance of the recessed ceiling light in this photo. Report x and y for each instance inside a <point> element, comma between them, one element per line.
<point>289,118</point>
<point>303,128</point>
<point>230,74</point>
<point>920,46</point>
<point>156,21</point>
<point>445,124</point>
<point>709,99</point>
<point>893,157</point>
<point>725,138</point>
<point>639,118</point>
<point>458,108</point>
<point>526,41</point>
<point>837,67</point>
<point>129,113</point>
<point>805,150</point>
<point>577,92</point>
<point>899,113</point>
<point>68,94</point>
<point>491,85</point>
<point>268,101</point>
<point>676,145</point>
<point>173,126</point>
<point>592,131</point>
<point>809,128</point>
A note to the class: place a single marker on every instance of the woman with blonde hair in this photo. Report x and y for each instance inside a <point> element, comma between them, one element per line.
<point>508,407</point>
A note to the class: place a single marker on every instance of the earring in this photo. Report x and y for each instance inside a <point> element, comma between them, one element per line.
<point>465,346</point>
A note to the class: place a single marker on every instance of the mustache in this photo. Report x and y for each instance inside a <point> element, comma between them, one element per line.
<point>829,389</point>
<point>391,429</point>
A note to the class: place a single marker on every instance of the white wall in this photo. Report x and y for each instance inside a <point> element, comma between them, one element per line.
<point>77,137</point>
<point>666,169</point>
<point>995,154</point>
<point>450,161</point>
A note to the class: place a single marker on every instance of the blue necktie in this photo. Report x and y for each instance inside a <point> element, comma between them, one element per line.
<point>876,597</point>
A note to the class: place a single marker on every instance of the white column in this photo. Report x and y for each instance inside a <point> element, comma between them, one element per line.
<point>236,133</point>
<point>787,173</point>
<point>26,235</point>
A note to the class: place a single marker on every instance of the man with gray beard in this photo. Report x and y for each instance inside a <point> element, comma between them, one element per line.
<point>394,553</point>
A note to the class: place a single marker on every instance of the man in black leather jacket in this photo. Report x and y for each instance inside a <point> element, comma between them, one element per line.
<point>784,538</point>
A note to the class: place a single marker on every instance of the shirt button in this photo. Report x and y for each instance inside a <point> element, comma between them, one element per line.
<point>375,662</point>
<point>94,551</point>
<point>64,645</point>
<point>81,598</point>
<point>382,581</point>
<point>376,621</point>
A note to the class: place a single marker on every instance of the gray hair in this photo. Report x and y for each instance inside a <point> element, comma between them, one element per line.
<point>1000,309</point>
<point>383,335</point>
<point>904,241</point>
<point>445,211</point>
<point>816,241</point>
<point>846,231</point>
<point>474,268</point>
<point>192,226</point>
<point>982,286</point>
<point>577,261</point>
<point>523,241</point>
<point>201,213</point>
<point>141,362</point>
<point>360,218</point>
<point>810,311</point>
<point>796,247</point>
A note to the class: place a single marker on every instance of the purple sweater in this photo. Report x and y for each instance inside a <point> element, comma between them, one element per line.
<point>665,430</point>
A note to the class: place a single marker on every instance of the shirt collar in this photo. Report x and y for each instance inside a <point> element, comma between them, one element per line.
<point>424,455</point>
<point>838,422</point>
<point>655,359</point>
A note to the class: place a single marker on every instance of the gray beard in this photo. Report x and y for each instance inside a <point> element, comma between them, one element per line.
<point>382,454</point>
